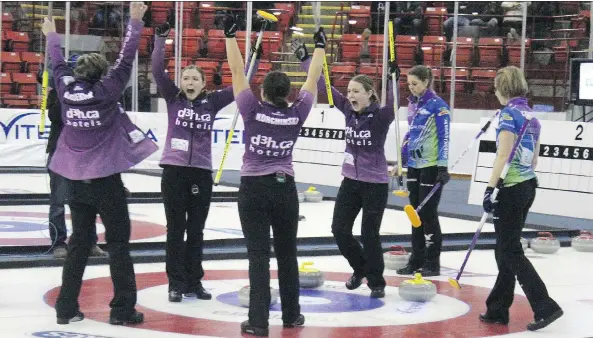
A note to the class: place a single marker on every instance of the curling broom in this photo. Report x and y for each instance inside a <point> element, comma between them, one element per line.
<point>503,174</point>
<point>409,209</point>
<point>401,191</point>
<point>45,78</point>
<point>268,17</point>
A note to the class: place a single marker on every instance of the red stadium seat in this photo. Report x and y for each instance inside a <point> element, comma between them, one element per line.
<point>11,62</point>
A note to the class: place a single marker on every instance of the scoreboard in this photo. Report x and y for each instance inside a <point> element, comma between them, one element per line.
<point>319,151</point>
<point>564,169</point>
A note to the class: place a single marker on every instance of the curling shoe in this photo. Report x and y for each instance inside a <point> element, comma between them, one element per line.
<point>77,318</point>
<point>252,330</point>
<point>299,321</point>
<point>430,269</point>
<point>408,270</point>
<point>135,318</point>
<point>199,293</point>
<point>174,296</point>
<point>377,292</point>
<point>494,319</point>
<point>540,323</point>
<point>354,282</point>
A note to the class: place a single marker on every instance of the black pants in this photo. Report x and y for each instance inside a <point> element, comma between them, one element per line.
<point>58,196</point>
<point>106,197</point>
<point>366,260</point>
<point>187,193</point>
<point>427,238</point>
<point>509,218</point>
<point>263,201</point>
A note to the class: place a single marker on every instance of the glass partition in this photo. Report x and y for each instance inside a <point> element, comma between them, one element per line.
<point>22,53</point>
<point>488,37</point>
<point>463,51</point>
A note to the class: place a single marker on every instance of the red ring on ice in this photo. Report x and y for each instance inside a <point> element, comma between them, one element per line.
<point>97,292</point>
<point>140,229</point>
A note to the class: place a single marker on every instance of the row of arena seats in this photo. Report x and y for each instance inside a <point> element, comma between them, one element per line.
<point>434,16</point>
<point>161,11</point>
<point>206,13</point>
<point>194,41</point>
<point>467,79</point>
<point>20,101</point>
<point>482,52</point>
<point>18,83</point>
<point>20,62</point>
<point>14,41</point>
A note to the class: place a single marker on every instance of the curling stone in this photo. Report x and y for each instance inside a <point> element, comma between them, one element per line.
<point>524,243</point>
<point>312,195</point>
<point>301,197</point>
<point>397,258</point>
<point>417,289</point>
<point>583,242</point>
<point>243,295</point>
<point>310,278</point>
<point>545,243</point>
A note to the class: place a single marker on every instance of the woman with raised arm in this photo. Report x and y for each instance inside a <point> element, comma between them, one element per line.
<point>187,181</point>
<point>98,143</point>
<point>267,194</point>
<point>366,183</point>
<point>509,211</point>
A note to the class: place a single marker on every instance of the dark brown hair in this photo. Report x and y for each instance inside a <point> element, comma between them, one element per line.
<point>276,88</point>
<point>368,85</point>
<point>423,73</point>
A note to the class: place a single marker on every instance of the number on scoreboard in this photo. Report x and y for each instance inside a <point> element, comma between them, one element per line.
<point>564,169</point>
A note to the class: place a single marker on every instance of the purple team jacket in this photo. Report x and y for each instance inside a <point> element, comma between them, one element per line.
<point>98,138</point>
<point>271,133</point>
<point>189,131</point>
<point>364,157</point>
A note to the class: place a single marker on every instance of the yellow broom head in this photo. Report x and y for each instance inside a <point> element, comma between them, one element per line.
<point>401,193</point>
<point>268,16</point>
<point>413,216</point>
<point>454,283</point>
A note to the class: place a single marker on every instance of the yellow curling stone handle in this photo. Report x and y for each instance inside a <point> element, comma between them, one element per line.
<point>418,280</point>
<point>304,267</point>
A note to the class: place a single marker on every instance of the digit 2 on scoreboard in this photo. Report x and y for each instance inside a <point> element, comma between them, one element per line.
<point>569,152</point>
<point>580,129</point>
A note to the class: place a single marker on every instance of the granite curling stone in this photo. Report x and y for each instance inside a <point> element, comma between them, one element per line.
<point>583,242</point>
<point>545,243</point>
<point>310,278</point>
<point>397,258</point>
<point>301,196</point>
<point>243,295</point>
<point>417,289</point>
<point>312,195</point>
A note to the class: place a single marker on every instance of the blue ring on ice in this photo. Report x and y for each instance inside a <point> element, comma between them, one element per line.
<point>22,226</point>
<point>338,301</point>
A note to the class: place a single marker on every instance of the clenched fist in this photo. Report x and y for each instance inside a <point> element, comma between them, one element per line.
<point>137,10</point>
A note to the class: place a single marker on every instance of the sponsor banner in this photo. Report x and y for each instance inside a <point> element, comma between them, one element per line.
<point>318,153</point>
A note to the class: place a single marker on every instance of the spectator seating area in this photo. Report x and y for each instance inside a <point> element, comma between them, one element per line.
<point>203,43</point>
